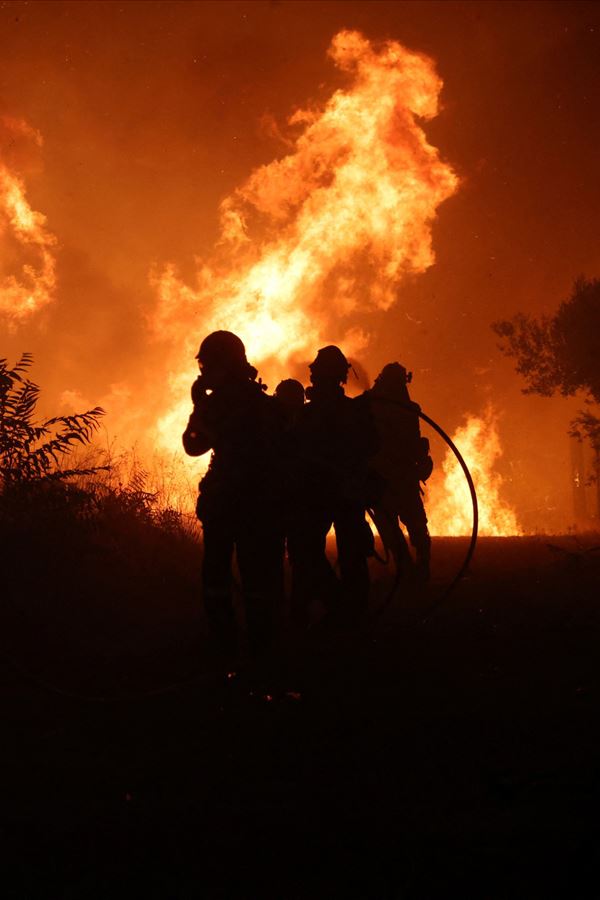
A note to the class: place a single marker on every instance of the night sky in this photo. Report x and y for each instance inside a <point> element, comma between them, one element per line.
<point>152,112</point>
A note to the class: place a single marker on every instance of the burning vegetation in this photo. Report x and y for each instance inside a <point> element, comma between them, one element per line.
<point>449,506</point>
<point>328,230</point>
<point>308,243</point>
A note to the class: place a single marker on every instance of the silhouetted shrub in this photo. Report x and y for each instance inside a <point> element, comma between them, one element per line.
<point>29,450</point>
<point>88,537</point>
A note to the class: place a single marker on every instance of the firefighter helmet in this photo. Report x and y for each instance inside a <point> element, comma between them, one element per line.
<point>330,362</point>
<point>290,392</point>
<point>223,348</point>
<point>393,376</point>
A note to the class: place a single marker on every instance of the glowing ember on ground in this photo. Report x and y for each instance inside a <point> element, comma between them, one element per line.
<point>27,245</point>
<point>448,501</point>
<point>328,230</point>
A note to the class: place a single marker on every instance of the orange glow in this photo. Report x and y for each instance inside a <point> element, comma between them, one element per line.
<point>448,501</point>
<point>25,293</point>
<point>326,231</point>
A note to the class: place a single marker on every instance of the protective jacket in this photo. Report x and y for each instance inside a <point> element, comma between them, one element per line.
<point>402,461</point>
<point>335,438</point>
<point>242,426</point>
<point>403,455</point>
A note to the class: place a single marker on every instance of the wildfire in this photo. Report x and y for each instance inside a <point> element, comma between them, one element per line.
<point>323,233</point>
<point>448,503</point>
<point>26,243</point>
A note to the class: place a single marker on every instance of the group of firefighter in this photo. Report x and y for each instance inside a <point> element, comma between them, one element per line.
<point>284,470</point>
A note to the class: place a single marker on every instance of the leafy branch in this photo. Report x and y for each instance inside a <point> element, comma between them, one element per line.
<point>561,354</point>
<point>30,450</point>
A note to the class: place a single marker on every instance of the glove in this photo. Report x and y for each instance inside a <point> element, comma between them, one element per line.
<point>198,391</point>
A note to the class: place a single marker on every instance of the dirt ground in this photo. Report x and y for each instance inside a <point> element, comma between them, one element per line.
<point>459,758</point>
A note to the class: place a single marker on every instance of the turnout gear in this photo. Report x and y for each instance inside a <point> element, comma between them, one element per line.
<point>424,462</point>
<point>238,503</point>
<point>403,461</point>
<point>333,440</point>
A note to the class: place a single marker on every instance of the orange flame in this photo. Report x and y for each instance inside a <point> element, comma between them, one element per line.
<point>33,288</point>
<point>448,501</point>
<point>323,233</point>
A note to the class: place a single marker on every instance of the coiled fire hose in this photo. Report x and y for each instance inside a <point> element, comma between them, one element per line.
<point>188,682</point>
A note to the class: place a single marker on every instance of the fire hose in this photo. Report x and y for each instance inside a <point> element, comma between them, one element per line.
<point>188,682</point>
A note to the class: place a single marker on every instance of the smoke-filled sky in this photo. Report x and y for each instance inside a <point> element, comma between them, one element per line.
<point>151,113</point>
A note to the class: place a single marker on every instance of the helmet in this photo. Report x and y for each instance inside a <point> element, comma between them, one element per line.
<point>392,382</point>
<point>290,392</point>
<point>394,376</point>
<point>222,348</point>
<point>330,362</point>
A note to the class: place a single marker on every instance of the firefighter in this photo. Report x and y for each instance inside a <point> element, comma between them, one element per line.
<point>237,505</point>
<point>333,442</point>
<point>403,461</point>
<point>289,396</point>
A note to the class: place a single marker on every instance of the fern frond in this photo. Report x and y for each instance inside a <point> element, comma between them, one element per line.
<point>29,450</point>
<point>24,363</point>
<point>138,479</point>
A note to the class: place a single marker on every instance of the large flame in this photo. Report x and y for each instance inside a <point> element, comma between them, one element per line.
<point>448,501</point>
<point>325,232</point>
<point>26,243</point>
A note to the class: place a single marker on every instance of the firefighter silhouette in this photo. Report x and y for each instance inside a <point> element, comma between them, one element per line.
<point>403,461</point>
<point>333,440</point>
<point>238,503</point>
<point>289,396</point>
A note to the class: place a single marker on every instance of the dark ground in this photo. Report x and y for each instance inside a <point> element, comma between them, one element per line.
<point>456,759</point>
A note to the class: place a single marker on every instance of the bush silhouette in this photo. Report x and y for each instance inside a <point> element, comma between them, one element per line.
<point>94,567</point>
<point>31,451</point>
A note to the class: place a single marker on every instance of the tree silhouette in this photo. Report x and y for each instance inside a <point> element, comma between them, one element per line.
<point>30,451</point>
<point>561,354</point>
